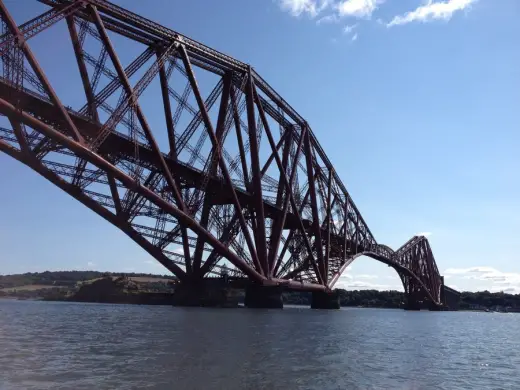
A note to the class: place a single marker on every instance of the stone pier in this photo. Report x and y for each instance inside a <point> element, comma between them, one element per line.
<point>263,297</point>
<point>325,300</point>
<point>205,293</point>
<point>412,303</point>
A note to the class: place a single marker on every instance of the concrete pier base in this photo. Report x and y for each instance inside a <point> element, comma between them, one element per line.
<point>263,297</point>
<point>412,304</point>
<point>324,300</point>
<point>206,293</point>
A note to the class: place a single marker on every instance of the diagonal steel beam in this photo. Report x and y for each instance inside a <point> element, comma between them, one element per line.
<point>170,127</point>
<point>214,141</point>
<point>329,216</point>
<point>78,51</point>
<point>240,142</point>
<point>72,190</point>
<point>256,179</point>
<point>314,206</point>
<point>288,185</point>
<point>80,150</point>
<point>21,42</point>
<point>144,124</point>
<point>38,24</point>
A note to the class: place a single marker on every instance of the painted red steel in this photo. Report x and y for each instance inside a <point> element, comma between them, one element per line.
<point>241,187</point>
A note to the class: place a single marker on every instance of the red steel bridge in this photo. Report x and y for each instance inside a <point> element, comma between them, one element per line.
<point>189,152</point>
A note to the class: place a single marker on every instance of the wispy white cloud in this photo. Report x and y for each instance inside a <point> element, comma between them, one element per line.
<point>328,19</point>
<point>333,11</point>
<point>349,28</point>
<point>90,264</point>
<point>364,285</point>
<point>362,9</point>
<point>472,270</point>
<point>304,7</point>
<point>367,276</point>
<point>424,234</point>
<point>484,277</point>
<point>441,10</point>
<point>352,281</point>
<point>468,279</point>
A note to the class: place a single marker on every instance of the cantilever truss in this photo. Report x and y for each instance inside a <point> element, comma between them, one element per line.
<point>186,150</point>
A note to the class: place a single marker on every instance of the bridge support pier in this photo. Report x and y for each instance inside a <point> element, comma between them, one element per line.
<point>325,300</point>
<point>263,297</point>
<point>449,297</point>
<point>204,293</point>
<point>412,303</point>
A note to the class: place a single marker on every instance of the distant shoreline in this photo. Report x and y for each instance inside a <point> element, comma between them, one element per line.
<point>139,288</point>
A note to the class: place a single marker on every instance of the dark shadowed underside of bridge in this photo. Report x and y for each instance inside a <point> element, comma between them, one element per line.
<point>186,150</point>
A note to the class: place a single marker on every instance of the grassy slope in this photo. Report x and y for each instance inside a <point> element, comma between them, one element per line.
<point>68,279</point>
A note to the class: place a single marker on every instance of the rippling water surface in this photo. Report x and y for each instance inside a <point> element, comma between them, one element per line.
<point>47,345</point>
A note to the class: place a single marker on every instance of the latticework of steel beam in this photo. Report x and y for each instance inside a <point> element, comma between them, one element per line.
<point>233,180</point>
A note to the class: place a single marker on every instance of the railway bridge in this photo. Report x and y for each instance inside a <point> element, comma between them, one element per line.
<point>190,153</point>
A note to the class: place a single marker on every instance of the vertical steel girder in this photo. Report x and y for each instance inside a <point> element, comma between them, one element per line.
<point>192,191</point>
<point>314,206</point>
<point>256,183</point>
<point>217,149</point>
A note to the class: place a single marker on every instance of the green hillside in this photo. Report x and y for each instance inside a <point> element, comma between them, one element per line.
<point>65,278</point>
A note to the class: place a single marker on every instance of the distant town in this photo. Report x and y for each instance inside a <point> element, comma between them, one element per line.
<point>139,288</point>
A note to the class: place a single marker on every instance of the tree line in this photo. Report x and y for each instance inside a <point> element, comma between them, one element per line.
<point>364,298</point>
<point>394,299</point>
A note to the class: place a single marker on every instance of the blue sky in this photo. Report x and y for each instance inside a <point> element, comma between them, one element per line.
<point>415,102</point>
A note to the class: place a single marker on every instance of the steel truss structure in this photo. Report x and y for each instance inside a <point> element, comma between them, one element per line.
<point>217,175</point>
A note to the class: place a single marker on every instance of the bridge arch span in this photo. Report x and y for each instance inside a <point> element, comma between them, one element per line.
<point>413,262</point>
<point>403,272</point>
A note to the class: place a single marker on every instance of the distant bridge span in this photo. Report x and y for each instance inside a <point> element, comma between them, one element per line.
<point>188,151</point>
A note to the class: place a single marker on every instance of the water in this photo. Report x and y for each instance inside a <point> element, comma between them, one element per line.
<point>46,345</point>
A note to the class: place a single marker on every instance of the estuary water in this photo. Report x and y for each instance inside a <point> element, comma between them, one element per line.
<point>47,345</point>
